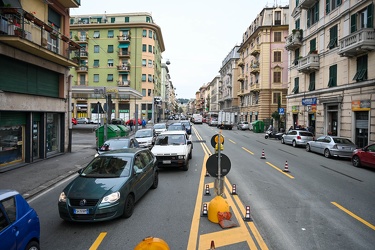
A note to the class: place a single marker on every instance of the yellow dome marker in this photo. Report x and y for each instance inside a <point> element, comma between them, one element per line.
<point>151,243</point>
<point>217,204</point>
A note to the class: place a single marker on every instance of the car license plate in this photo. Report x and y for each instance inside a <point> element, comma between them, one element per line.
<point>81,211</point>
<point>167,162</point>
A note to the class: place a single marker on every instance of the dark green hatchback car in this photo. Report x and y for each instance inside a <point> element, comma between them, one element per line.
<point>109,186</point>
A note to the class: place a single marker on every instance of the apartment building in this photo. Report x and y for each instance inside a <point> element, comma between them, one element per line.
<point>331,53</point>
<point>213,95</point>
<point>119,64</point>
<point>228,85</point>
<point>35,56</point>
<point>263,63</point>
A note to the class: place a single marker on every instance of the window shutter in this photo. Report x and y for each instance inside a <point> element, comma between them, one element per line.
<point>353,23</point>
<point>313,45</point>
<point>370,16</point>
<point>316,12</point>
<point>338,2</point>
<point>308,18</point>
<point>327,6</point>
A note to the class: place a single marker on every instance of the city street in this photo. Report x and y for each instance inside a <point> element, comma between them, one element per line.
<point>319,204</point>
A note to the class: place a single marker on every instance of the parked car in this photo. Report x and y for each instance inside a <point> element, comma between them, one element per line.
<point>176,126</point>
<point>109,186</point>
<point>160,127</point>
<point>243,125</point>
<point>117,143</point>
<point>364,157</point>
<point>187,125</point>
<point>145,137</point>
<point>118,121</point>
<point>173,149</point>
<point>19,223</point>
<point>297,137</point>
<point>332,146</point>
<point>74,121</point>
<point>83,120</point>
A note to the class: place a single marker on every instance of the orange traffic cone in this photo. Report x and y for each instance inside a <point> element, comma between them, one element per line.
<point>247,215</point>
<point>286,169</point>
<point>263,155</point>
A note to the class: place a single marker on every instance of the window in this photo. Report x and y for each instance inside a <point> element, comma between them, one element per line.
<point>144,48</point>
<point>150,48</point>
<point>96,34</point>
<point>96,64</point>
<point>296,86</point>
<point>144,62</point>
<point>332,76</point>
<point>276,96</point>
<point>143,77</point>
<point>110,34</point>
<point>297,24</point>
<point>113,19</point>
<point>312,45</point>
<point>277,36</point>
<point>149,78</point>
<point>110,49</point>
<point>96,48</point>
<point>143,93</point>
<point>333,37</point>
<point>150,34</point>
<point>96,77</point>
<point>150,63</point>
<point>332,4</point>
<point>110,63</point>
<point>110,78</point>
<point>277,17</point>
<point>126,19</point>
<point>277,56</point>
<point>144,33</point>
<point>148,19</point>
<point>296,57</point>
<point>313,14</point>
<point>362,19</point>
<point>149,92</point>
<point>312,82</point>
<point>277,77</point>
<point>361,74</point>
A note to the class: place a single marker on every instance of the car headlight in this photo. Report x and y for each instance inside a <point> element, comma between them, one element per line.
<point>181,157</point>
<point>62,197</point>
<point>111,198</point>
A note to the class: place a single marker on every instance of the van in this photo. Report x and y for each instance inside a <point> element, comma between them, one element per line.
<point>197,118</point>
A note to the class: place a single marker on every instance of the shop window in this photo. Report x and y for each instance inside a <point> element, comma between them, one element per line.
<point>11,142</point>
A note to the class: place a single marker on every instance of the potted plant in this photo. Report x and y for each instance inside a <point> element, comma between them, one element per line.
<point>54,34</point>
<point>76,38</point>
<point>19,32</point>
<point>8,9</point>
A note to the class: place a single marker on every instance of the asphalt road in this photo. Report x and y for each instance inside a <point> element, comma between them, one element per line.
<point>320,204</point>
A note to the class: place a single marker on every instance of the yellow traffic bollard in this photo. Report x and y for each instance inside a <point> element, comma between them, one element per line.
<point>151,243</point>
<point>217,204</point>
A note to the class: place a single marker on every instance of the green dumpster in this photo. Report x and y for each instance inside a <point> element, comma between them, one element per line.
<point>258,126</point>
<point>112,131</point>
<point>124,131</point>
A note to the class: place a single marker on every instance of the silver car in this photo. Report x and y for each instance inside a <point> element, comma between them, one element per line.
<point>297,137</point>
<point>332,146</point>
<point>243,125</point>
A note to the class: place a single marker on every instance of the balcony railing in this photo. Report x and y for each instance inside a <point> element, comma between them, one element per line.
<point>123,68</point>
<point>294,41</point>
<point>124,53</point>
<point>81,39</point>
<point>24,31</point>
<point>83,54</point>
<point>306,4</point>
<point>256,50</point>
<point>123,83</point>
<point>241,78</point>
<point>241,92</point>
<point>82,69</point>
<point>359,42</point>
<point>81,83</point>
<point>254,68</point>
<point>241,63</point>
<point>124,38</point>
<point>309,63</point>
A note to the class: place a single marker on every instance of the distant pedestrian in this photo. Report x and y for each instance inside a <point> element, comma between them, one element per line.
<point>143,123</point>
<point>291,128</point>
<point>131,125</point>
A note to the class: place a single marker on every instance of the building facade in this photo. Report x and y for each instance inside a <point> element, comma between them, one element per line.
<point>263,63</point>
<point>331,51</point>
<point>214,94</point>
<point>121,53</point>
<point>35,56</point>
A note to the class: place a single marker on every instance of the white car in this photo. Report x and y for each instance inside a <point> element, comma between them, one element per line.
<point>160,127</point>
<point>145,137</point>
<point>173,149</point>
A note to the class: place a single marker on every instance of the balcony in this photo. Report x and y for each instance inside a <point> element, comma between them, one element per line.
<point>254,68</point>
<point>81,39</point>
<point>308,64</point>
<point>123,38</point>
<point>255,51</point>
<point>294,40</point>
<point>229,85</point>
<point>70,3</point>
<point>83,54</point>
<point>241,63</point>
<point>241,92</point>
<point>241,78</point>
<point>123,83</point>
<point>124,54</point>
<point>123,68</point>
<point>359,42</point>
<point>306,4</point>
<point>82,69</point>
<point>33,37</point>
<point>81,83</point>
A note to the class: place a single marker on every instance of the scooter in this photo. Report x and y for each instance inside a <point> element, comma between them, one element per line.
<point>271,134</point>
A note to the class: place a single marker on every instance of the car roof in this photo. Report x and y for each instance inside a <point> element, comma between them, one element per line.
<point>174,132</point>
<point>124,151</point>
<point>6,193</point>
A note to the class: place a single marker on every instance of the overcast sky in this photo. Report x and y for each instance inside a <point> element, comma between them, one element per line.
<point>198,34</point>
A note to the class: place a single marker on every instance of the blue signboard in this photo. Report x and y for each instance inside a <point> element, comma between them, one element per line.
<point>281,111</point>
<point>309,101</point>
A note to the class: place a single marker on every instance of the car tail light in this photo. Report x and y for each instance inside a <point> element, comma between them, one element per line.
<point>298,137</point>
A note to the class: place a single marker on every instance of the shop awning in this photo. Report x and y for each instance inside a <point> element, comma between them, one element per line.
<point>123,45</point>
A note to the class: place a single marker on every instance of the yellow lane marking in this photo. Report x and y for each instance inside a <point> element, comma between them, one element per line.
<point>247,150</point>
<point>253,228</point>
<point>354,215</point>
<point>232,141</point>
<point>98,241</point>
<point>278,169</point>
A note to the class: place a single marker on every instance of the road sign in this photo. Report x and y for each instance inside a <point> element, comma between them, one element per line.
<point>215,140</point>
<point>212,165</point>
<point>281,111</point>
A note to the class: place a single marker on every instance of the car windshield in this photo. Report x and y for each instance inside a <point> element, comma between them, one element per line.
<point>107,167</point>
<point>342,140</point>
<point>143,133</point>
<point>175,127</point>
<point>170,140</point>
<point>115,144</point>
<point>159,126</point>
<point>306,134</point>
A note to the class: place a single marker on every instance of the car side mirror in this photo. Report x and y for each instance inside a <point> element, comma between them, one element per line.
<point>80,171</point>
<point>138,171</point>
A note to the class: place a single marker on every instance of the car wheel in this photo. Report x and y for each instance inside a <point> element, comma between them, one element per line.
<point>356,161</point>
<point>186,166</point>
<point>282,141</point>
<point>191,154</point>
<point>155,183</point>
<point>327,154</point>
<point>128,206</point>
<point>294,144</point>
<point>308,147</point>
<point>33,245</point>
